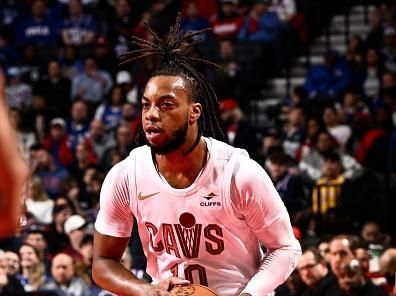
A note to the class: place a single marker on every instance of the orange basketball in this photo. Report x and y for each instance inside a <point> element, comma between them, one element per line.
<point>192,290</point>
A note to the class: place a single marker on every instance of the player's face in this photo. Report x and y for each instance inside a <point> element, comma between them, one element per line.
<point>165,113</point>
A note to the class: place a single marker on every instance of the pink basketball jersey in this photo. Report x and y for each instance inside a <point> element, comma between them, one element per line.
<point>194,233</point>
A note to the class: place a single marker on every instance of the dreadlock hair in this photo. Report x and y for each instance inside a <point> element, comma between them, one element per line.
<point>174,62</point>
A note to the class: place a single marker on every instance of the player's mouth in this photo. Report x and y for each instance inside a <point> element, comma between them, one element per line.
<point>152,132</point>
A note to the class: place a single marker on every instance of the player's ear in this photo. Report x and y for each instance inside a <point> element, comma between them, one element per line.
<point>195,113</point>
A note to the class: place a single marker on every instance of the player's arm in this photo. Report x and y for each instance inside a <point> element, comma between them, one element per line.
<point>113,227</point>
<point>13,171</point>
<point>257,200</point>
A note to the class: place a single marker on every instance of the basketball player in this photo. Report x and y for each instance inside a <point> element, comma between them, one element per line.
<point>13,171</point>
<point>202,206</point>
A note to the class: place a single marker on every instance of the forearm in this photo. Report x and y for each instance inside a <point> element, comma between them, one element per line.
<point>274,270</point>
<point>114,277</point>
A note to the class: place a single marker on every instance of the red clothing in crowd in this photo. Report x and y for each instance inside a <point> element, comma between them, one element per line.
<point>226,28</point>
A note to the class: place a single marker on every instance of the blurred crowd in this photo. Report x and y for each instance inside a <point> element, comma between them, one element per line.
<point>331,151</point>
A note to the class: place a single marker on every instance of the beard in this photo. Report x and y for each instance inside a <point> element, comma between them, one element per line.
<point>177,139</point>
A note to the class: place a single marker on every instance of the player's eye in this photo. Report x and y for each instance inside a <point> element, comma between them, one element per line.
<point>167,105</point>
<point>145,106</point>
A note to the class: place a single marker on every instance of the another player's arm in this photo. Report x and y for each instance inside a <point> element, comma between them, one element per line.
<point>264,212</point>
<point>13,171</point>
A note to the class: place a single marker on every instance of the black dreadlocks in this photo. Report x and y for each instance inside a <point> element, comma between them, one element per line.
<point>175,63</point>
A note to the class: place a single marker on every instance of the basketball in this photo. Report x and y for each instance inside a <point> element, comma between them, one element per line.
<point>192,290</point>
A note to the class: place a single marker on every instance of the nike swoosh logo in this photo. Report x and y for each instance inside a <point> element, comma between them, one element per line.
<point>143,197</point>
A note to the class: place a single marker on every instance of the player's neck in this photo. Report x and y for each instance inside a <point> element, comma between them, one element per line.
<point>179,169</point>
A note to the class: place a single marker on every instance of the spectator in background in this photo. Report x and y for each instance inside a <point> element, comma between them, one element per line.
<point>75,228</point>
<point>64,279</point>
<point>79,28</point>
<point>352,281</point>
<point>57,143</point>
<point>38,28</point>
<point>227,22</point>
<point>354,56</point>
<point>37,201</point>
<point>192,21</point>
<point>387,264</point>
<point>78,123</point>
<point>110,111</point>
<point>18,94</point>
<point>39,116</point>
<point>340,132</point>
<point>261,25</point>
<point>57,239</point>
<point>104,56</point>
<point>53,175</point>
<point>8,283</point>
<point>56,89</point>
<point>314,272</point>
<point>130,118</point>
<point>71,62</point>
<point>328,82</point>
<point>121,28</point>
<point>239,133</point>
<point>373,73</point>
<point>362,254</point>
<point>10,12</point>
<point>371,234</point>
<point>93,85</point>
<point>32,268</point>
<point>313,127</point>
<point>375,36</point>
<point>229,77</point>
<point>12,263</point>
<point>372,151</point>
<point>8,56</point>
<point>124,144</point>
<point>124,79</point>
<point>340,252</point>
<point>25,137</point>
<point>294,131</point>
<point>354,113</point>
<point>36,237</point>
<point>389,49</point>
<point>85,157</point>
<point>289,186</point>
<point>97,139</point>
<point>329,205</point>
<point>312,163</point>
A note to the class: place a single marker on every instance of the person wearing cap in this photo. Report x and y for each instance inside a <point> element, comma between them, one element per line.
<point>239,132</point>
<point>105,56</point>
<point>57,142</point>
<point>75,228</point>
<point>18,94</point>
<point>124,79</point>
